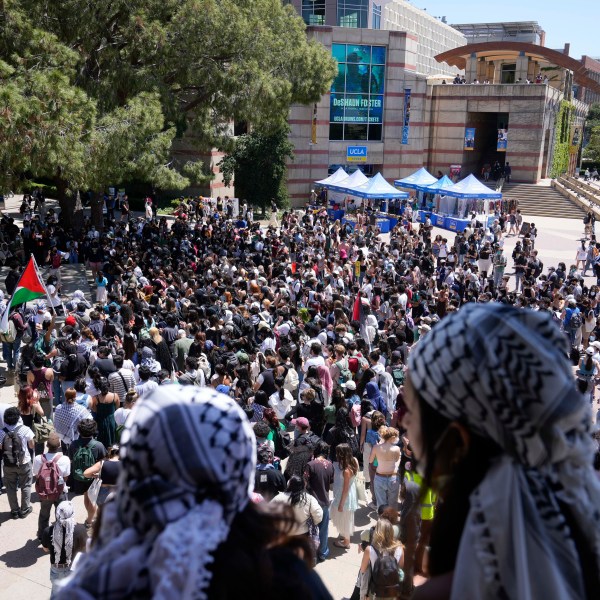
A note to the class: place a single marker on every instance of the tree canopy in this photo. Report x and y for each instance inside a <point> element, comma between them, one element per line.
<point>93,93</point>
<point>258,163</point>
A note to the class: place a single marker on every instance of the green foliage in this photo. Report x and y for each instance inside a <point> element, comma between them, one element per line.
<point>93,93</point>
<point>258,164</point>
<point>593,117</point>
<point>592,150</point>
<point>562,131</point>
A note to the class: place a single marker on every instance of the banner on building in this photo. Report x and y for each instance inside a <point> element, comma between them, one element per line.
<point>502,140</point>
<point>469,138</point>
<point>455,172</point>
<point>406,119</point>
<point>575,140</point>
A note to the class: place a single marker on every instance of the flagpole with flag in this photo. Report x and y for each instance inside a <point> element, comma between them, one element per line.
<point>41,279</point>
<point>30,287</point>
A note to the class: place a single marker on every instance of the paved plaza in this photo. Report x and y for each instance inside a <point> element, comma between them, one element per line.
<point>24,567</point>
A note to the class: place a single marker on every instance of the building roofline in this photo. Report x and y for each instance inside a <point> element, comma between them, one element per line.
<point>457,57</point>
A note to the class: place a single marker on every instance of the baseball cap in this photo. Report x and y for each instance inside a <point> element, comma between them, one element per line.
<point>70,320</point>
<point>301,422</point>
<point>224,389</point>
<point>349,385</point>
<point>590,350</point>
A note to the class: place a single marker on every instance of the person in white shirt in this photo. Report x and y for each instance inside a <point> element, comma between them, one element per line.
<point>64,467</point>
<point>282,400</point>
<point>315,357</point>
<point>17,462</point>
<point>122,413</point>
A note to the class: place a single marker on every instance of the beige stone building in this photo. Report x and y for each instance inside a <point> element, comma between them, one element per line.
<point>385,117</point>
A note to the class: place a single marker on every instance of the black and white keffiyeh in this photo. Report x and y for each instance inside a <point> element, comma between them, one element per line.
<point>62,532</point>
<point>505,373</point>
<point>188,463</point>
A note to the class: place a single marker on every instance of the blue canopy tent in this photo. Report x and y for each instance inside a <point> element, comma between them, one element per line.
<point>336,177</point>
<point>439,187</point>
<point>377,188</point>
<point>471,187</point>
<point>347,184</point>
<point>417,180</point>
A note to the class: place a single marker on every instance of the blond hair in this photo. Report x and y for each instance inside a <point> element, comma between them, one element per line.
<point>388,433</point>
<point>384,539</point>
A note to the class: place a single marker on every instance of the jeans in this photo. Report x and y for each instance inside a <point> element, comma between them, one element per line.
<point>45,510</point>
<point>518,279</point>
<point>10,352</point>
<point>323,551</point>
<point>18,476</point>
<point>386,490</point>
<point>57,574</point>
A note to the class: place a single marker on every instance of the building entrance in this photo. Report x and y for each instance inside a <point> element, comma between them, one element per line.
<point>485,150</point>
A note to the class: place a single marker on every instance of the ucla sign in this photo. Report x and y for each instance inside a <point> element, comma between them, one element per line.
<point>357,153</point>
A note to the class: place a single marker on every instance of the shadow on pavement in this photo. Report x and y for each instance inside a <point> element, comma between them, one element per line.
<point>23,557</point>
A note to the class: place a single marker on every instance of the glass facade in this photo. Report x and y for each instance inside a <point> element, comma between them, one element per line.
<point>353,13</point>
<point>356,101</point>
<point>376,21</point>
<point>313,12</point>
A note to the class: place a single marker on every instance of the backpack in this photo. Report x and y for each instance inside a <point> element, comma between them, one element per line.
<point>12,448</point>
<point>282,440</point>
<point>11,334</point>
<point>82,460</point>
<point>385,576</point>
<point>42,430</point>
<point>204,365</point>
<point>49,484</point>
<point>345,372</point>
<point>398,375</point>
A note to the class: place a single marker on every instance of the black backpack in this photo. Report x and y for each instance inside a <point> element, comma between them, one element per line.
<point>282,440</point>
<point>12,448</point>
<point>385,576</point>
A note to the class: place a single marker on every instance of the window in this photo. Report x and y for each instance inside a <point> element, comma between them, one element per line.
<point>508,73</point>
<point>357,93</point>
<point>353,13</point>
<point>376,16</point>
<point>313,12</point>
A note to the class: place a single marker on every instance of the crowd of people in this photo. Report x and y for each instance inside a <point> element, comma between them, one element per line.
<point>322,347</point>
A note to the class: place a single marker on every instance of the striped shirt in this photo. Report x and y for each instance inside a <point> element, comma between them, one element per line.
<point>120,382</point>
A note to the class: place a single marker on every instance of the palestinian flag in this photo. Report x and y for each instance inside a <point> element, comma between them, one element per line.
<point>30,287</point>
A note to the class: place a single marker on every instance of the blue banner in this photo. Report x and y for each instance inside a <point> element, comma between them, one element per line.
<point>406,119</point>
<point>469,138</point>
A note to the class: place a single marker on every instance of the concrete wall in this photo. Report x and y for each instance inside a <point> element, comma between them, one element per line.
<point>529,109</point>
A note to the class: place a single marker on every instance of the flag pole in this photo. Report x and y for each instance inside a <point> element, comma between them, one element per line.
<point>37,272</point>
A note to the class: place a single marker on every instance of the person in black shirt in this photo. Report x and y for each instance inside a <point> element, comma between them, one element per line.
<point>268,481</point>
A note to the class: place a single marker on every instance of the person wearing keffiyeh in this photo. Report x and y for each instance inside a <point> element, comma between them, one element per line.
<point>181,524</point>
<point>63,540</point>
<point>502,434</point>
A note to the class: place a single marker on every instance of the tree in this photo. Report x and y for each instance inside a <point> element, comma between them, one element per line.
<point>195,64</point>
<point>592,150</point>
<point>258,163</point>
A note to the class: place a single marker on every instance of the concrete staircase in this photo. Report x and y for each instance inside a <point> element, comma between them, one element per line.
<point>540,200</point>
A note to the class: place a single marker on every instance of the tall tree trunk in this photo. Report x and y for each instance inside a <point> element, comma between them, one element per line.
<point>96,206</point>
<point>65,202</point>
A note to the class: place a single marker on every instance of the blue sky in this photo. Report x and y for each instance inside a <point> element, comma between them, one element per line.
<point>575,21</point>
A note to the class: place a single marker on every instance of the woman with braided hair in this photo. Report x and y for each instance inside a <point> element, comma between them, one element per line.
<point>503,436</point>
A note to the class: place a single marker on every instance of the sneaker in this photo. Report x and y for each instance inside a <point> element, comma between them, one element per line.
<point>14,514</point>
<point>25,512</point>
